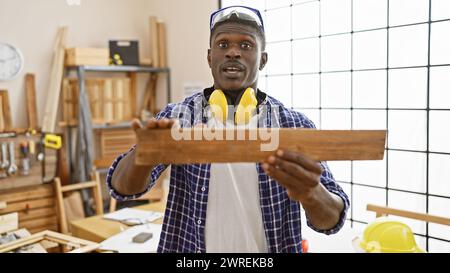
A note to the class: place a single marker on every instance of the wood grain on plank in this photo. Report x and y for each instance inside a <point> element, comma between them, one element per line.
<point>158,146</point>
<point>30,86</point>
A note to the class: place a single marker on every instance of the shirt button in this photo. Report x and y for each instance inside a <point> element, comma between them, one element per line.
<point>203,189</point>
<point>199,222</point>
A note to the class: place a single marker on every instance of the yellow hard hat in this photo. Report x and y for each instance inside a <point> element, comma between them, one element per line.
<point>387,235</point>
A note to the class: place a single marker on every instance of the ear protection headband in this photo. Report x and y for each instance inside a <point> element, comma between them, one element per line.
<point>244,109</point>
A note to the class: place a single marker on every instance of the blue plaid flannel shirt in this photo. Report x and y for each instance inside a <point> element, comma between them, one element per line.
<point>184,219</point>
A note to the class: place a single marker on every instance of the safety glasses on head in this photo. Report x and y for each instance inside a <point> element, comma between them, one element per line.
<point>241,12</point>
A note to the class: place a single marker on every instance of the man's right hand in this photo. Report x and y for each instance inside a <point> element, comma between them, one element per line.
<point>129,178</point>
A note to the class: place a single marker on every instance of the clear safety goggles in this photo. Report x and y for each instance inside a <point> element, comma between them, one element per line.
<point>242,12</point>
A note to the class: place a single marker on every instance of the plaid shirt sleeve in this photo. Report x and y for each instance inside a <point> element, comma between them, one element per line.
<point>331,185</point>
<point>155,173</point>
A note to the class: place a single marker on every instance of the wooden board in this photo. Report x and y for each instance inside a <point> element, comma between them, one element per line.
<point>154,44</point>
<point>110,99</point>
<point>35,206</point>
<point>2,122</point>
<point>158,146</point>
<point>35,248</point>
<point>6,111</point>
<point>33,178</point>
<point>87,56</point>
<point>385,211</point>
<point>162,44</point>
<point>9,222</point>
<point>79,245</point>
<point>56,76</point>
<point>30,88</point>
<point>132,93</point>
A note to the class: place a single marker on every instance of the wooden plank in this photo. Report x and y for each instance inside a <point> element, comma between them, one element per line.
<point>9,222</point>
<point>34,178</point>
<point>36,248</point>
<point>37,213</point>
<point>409,214</point>
<point>158,146</point>
<point>162,44</point>
<point>27,193</point>
<point>39,223</point>
<point>79,186</point>
<point>97,195</point>
<point>30,87</point>
<point>84,245</point>
<point>60,205</point>
<point>2,122</point>
<point>53,227</point>
<point>104,162</point>
<point>87,56</point>
<point>3,204</point>
<point>22,242</point>
<point>27,205</point>
<point>119,98</point>
<point>132,92</point>
<point>56,76</point>
<point>149,101</point>
<point>6,111</point>
<point>66,98</point>
<point>154,40</point>
<point>108,105</point>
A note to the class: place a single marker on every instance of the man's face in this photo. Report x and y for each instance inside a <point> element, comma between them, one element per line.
<point>235,57</point>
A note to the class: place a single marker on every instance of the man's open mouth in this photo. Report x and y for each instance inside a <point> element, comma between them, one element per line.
<point>233,69</point>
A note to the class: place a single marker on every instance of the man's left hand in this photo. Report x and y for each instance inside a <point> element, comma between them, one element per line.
<point>298,173</point>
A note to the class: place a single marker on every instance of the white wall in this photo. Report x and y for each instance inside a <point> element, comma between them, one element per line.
<point>31,26</point>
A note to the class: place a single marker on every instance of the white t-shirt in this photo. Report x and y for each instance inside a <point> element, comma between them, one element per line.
<point>234,218</point>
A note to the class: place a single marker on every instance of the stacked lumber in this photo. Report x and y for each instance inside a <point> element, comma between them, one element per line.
<point>110,100</point>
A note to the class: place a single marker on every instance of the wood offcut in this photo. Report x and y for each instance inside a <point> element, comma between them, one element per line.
<point>158,146</point>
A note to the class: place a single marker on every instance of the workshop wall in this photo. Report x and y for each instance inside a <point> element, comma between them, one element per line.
<point>31,26</point>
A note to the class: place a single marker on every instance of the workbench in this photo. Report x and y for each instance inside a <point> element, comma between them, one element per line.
<point>97,229</point>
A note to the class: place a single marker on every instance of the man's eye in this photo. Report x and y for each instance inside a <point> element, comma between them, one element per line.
<point>222,44</point>
<point>246,46</point>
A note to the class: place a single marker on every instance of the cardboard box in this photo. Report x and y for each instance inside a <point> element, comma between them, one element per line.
<point>87,56</point>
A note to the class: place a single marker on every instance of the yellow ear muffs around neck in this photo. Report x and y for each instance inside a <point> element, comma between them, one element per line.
<point>244,109</point>
<point>219,105</point>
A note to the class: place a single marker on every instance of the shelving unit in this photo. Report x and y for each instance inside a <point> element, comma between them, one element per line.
<point>81,72</point>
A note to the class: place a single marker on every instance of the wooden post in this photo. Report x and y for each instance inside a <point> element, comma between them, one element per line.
<point>154,41</point>
<point>255,145</point>
<point>133,84</point>
<point>56,75</point>
<point>162,50</point>
<point>60,204</point>
<point>30,88</point>
<point>6,111</point>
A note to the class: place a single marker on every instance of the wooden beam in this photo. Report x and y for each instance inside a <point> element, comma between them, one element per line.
<point>158,146</point>
<point>56,76</point>
<point>79,186</point>
<point>132,94</point>
<point>6,111</point>
<point>153,23</point>
<point>9,222</point>
<point>81,246</point>
<point>2,122</point>
<point>162,49</point>
<point>381,211</point>
<point>30,88</point>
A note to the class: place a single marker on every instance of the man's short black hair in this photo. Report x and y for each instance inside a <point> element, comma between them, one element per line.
<point>259,32</point>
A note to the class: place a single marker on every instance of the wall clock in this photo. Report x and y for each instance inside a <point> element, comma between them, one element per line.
<point>11,61</point>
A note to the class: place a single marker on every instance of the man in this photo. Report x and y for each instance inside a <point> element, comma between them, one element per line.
<point>239,207</point>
